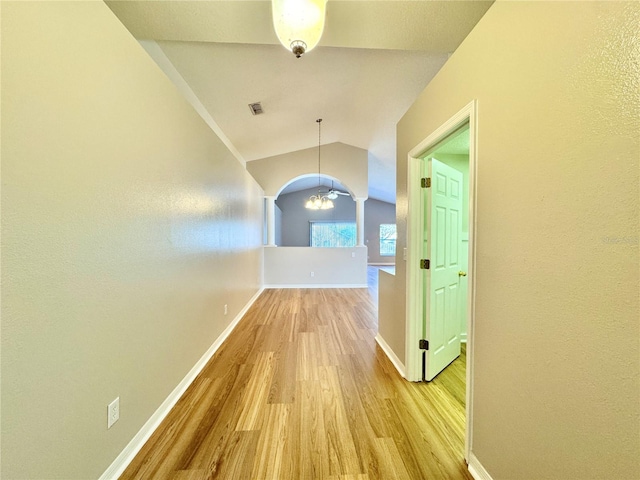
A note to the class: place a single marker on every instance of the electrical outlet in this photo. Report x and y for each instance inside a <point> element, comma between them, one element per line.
<point>225,309</point>
<point>312,274</point>
<point>113,412</point>
<point>353,254</point>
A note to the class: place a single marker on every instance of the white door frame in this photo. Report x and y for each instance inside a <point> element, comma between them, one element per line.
<point>415,278</point>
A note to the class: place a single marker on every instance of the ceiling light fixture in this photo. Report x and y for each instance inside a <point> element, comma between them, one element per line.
<point>299,23</point>
<point>319,201</point>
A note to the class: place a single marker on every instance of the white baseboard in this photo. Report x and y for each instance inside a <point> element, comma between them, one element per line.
<point>382,264</point>
<point>123,460</point>
<point>391,355</point>
<point>476,469</point>
<point>320,285</point>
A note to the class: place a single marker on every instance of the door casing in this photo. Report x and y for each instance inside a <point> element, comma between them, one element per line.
<point>415,238</point>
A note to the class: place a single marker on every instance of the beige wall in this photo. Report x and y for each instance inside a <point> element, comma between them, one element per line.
<point>345,163</point>
<point>556,379</point>
<point>126,227</point>
<point>391,311</point>
<point>331,267</point>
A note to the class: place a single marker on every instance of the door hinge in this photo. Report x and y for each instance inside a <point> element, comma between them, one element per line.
<point>424,344</point>
<point>425,264</point>
<point>425,182</point>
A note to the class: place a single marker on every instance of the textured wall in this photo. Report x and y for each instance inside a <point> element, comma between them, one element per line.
<point>126,227</point>
<point>556,371</point>
<point>346,164</point>
<point>331,267</point>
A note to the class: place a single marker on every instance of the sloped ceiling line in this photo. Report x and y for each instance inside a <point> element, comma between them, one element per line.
<point>374,59</point>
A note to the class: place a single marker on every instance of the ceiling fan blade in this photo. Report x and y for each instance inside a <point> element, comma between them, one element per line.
<point>333,194</point>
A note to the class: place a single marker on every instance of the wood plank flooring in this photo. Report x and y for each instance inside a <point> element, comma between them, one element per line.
<point>300,390</point>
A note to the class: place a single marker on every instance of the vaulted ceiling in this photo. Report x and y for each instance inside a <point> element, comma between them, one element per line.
<point>373,60</point>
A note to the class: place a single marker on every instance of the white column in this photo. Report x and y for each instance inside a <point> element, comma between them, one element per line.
<point>360,221</point>
<point>271,221</point>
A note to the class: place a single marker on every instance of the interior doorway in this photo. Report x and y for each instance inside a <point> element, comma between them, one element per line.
<point>453,144</point>
<point>444,318</point>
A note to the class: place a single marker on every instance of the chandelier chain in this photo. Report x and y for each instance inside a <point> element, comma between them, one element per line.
<point>319,201</point>
<point>319,125</point>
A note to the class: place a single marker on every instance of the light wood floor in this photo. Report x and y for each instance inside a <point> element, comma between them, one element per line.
<point>300,390</point>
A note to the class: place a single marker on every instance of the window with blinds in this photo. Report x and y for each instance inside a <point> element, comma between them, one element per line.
<point>387,239</point>
<point>333,234</point>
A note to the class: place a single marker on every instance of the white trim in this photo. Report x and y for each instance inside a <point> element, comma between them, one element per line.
<point>414,247</point>
<point>472,110</point>
<point>320,285</point>
<point>271,220</point>
<point>465,242</point>
<point>360,221</point>
<point>381,264</point>
<point>413,356</point>
<point>391,355</point>
<point>123,460</point>
<point>158,55</point>
<point>477,471</point>
<point>450,126</point>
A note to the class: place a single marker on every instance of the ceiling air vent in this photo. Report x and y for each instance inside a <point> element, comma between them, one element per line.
<point>256,108</point>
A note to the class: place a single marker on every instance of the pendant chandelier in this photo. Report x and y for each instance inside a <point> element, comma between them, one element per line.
<point>298,23</point>
<point>319,201</point>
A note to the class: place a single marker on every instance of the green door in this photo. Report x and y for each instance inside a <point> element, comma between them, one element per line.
<point>443,231</point>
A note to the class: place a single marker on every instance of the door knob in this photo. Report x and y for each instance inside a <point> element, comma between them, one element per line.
<point>462,274</point>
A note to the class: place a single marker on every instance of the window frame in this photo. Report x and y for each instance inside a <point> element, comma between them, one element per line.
<point>352,242</point>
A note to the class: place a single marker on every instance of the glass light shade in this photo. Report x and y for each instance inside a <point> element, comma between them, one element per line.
<point>299,21</point>
<point>318,202</point>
